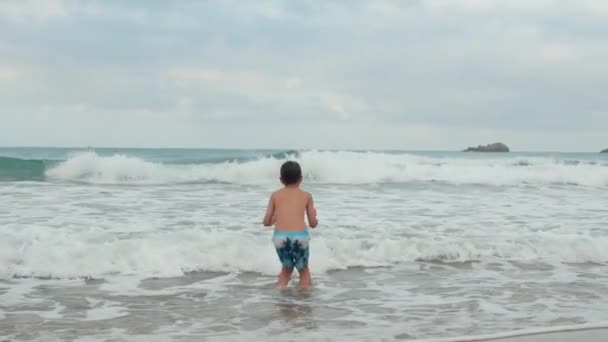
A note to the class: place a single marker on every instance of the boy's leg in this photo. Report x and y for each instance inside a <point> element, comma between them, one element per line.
<point>301,262</point>
<point>284,277</point>
<point>305,278</point>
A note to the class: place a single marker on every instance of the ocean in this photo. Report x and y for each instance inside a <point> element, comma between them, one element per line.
<point>167,245</point>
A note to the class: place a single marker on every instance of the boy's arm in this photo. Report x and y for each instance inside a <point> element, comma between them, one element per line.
<point>311,212</point>
<point>269,217</point>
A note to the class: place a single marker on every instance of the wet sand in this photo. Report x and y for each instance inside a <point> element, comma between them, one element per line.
<point>580,333</point>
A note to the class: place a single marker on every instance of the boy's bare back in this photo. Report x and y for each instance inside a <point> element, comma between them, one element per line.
<point>287,208</point>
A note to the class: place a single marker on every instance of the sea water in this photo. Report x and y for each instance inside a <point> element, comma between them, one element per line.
<point>157,245</point>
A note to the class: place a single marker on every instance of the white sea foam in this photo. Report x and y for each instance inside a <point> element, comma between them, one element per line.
<point>104,310</point>
<point>71,254</point>
<point>339,167</point>
<point>540,251</point>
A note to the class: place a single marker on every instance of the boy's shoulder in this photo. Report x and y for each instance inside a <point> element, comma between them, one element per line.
<point>285,191</point>
<point>277,192</point>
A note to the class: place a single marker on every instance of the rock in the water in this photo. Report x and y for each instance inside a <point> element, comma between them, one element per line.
<point>604,151</point>
<point>496,147</point>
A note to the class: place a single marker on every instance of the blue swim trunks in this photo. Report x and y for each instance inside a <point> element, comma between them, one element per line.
<point>292,248</point>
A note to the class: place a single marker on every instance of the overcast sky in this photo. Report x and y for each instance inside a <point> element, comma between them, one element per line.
<point>410,74</point>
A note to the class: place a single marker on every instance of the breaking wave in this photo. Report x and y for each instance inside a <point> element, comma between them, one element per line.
<point>339,167</point>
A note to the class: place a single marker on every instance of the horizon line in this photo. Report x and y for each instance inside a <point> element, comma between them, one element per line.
<point>278,149</point>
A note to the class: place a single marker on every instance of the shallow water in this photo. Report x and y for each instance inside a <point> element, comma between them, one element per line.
<point>107,249</point>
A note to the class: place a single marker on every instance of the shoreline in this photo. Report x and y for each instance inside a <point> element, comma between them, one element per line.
<point>588,332</point>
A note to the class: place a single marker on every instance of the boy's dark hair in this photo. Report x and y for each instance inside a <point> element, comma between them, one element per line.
<point>291,173</point>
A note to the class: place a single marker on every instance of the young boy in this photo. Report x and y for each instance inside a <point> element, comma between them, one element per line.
<point>286,209</point>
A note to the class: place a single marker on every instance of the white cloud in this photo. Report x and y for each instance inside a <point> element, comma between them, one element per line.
<point>293,82</point>
<point>343,105</point>
<point>495,5</point>
<point>265,86</point>
<point>475,5</point>
<point>528,7</point>
<point>12,72</point>
<point>26,10</point>
<point>557,53</point>
<point>596,7</point>
<point>270,10</point>
<point>429,70</point>
<point>253,80</point>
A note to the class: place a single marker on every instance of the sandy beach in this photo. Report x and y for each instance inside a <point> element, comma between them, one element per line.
<point>597,332</point>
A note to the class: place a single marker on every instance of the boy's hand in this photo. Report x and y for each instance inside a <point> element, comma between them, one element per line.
<point>311,212</point>
<point>270,216</point>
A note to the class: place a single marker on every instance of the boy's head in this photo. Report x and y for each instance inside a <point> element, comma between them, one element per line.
<point>291,173</point>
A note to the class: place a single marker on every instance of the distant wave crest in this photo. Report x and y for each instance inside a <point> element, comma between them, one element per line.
<point>336,167</point>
